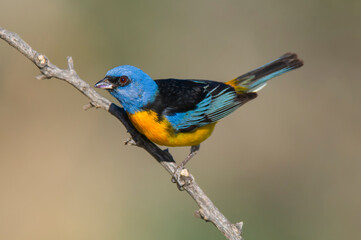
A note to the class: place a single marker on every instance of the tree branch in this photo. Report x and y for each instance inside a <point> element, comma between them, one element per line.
<point>208,211</point>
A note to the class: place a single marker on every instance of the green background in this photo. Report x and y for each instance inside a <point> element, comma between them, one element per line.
<point>287,163</point>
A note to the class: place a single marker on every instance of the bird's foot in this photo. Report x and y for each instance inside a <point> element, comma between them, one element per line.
<point>182,177</point>
<point>130,142</point>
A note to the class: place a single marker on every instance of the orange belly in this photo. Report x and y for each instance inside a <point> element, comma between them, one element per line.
<point>162,133</point>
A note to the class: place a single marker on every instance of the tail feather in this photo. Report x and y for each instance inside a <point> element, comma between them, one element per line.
<point>255,80</point>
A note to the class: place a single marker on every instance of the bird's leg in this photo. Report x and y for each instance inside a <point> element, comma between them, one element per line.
<point>180,174</point>
<point>194,151</point>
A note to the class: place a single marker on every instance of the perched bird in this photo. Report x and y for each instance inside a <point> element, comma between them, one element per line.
<point>175,112</point>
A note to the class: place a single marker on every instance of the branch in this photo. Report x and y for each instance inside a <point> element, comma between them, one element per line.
<point>208,211</point>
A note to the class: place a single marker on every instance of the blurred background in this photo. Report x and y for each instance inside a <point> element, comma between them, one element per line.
<point>287,163</point>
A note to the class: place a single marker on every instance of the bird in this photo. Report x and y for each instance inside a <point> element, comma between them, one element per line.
<point>183,112</point>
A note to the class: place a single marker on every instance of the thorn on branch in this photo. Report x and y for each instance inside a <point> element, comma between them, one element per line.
<point>201,214</point>
<point>239,226</point>
<point>70,63</point>
<point>88,106</point>
<point>197,214</point>
<point>71,69</point>
<point>42,77</point>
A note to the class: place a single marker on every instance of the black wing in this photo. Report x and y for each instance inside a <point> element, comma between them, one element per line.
<point>189,104</point>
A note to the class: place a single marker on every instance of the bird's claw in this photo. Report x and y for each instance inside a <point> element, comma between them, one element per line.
<point>130,141</point>
<point>182,177</point>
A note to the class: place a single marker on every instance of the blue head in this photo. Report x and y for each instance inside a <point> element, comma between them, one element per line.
<point>132,87</point>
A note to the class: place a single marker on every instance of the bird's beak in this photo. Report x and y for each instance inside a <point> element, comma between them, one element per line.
<point>104,84</point>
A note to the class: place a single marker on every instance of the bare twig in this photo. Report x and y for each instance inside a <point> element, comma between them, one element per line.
<point>207,211</point>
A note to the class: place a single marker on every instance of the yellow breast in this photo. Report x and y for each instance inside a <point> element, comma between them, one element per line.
<point>161,132</point>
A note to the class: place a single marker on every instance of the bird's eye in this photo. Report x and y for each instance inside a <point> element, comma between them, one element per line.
<point>123,80</point>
